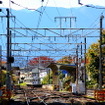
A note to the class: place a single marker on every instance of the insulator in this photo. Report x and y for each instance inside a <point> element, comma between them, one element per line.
<point>10,59</point>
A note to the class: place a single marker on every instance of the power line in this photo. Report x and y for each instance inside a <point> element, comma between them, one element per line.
<point>56,28</point>
<point>57,8</point>
<point>24,7</point>
<point>30,30</point>
<point>92,6</point>
<point>40,15</point>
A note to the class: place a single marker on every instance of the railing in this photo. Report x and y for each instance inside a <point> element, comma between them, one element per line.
<point>5,93</point>
<point>99,95</point>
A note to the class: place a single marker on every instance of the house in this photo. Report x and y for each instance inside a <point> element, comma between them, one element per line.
<point>33,76</point>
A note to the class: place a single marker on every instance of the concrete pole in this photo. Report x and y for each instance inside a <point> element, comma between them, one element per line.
<point>8,78</point>
<point>85,66</point>
<point>100,56</point>
<point>77,89</point>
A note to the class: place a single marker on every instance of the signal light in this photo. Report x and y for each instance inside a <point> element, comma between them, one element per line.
<point>10,59</point>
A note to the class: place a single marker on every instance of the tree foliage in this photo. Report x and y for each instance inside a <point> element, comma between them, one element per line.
<point>47,79</point>
<point>103,32</point>
<point>14,78</point>
<point>93,64</point>
<point>65,60</point>
<point>3,77</point>
<point>66,79</point>
<point>42,60</point>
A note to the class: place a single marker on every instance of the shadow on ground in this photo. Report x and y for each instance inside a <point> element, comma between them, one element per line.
<point>56,103</point>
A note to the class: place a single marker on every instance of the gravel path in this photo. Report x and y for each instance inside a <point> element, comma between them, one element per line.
<point>39,96</point>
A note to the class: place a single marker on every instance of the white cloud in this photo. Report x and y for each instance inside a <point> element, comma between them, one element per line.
<point>19,4</point>
<point>94,2</point>
<point>35,4</point>
<point>63,3</point>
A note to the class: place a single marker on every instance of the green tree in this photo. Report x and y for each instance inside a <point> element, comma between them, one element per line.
<point>92,66</point>
<point>66,83</point>
<point>3,77</point>
<point>42,60</point>
<point>66,80</point>
<point>47,79</point>
<point>65,60</point>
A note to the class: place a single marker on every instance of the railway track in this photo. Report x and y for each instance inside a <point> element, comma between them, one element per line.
<point>26,98</point>
<point>31,95</point>
<point>39,96</point>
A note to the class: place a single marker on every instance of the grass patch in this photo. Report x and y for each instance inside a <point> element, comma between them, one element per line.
<point>23,84</point>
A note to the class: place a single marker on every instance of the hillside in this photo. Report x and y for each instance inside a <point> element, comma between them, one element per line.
<point>85,16</point>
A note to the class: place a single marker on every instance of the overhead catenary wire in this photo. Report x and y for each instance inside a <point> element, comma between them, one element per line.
<point>29,29</point>
<point>40,15</point>
<point>59,14</point>
<point>1,38</point>
<point>92,6</point>
<point>23,6</point>
<point>37,35</point>
<point>34,46</point>
<point>94,24</point>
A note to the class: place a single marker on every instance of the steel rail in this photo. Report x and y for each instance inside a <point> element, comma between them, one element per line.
<point>26,98</point>
<point>41,100</point>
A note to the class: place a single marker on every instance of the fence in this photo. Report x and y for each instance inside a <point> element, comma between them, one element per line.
<point>5,93</point>
<point>99,95</point>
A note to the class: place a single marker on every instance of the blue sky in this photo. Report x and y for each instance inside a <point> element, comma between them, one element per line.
<point>86,17</point>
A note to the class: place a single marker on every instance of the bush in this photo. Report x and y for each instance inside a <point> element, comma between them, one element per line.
<point>91,84</point>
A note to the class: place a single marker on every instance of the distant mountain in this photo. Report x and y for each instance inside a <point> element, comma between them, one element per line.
<point>86,16</point>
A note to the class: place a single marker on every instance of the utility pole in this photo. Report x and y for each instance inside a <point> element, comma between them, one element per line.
<point>77,69</point>
<point>8,81</point>
<point>81,59</point>
<point>0,46</point>
<point>100,56</point>
<point>9,58</point>
<point>85,65</point>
